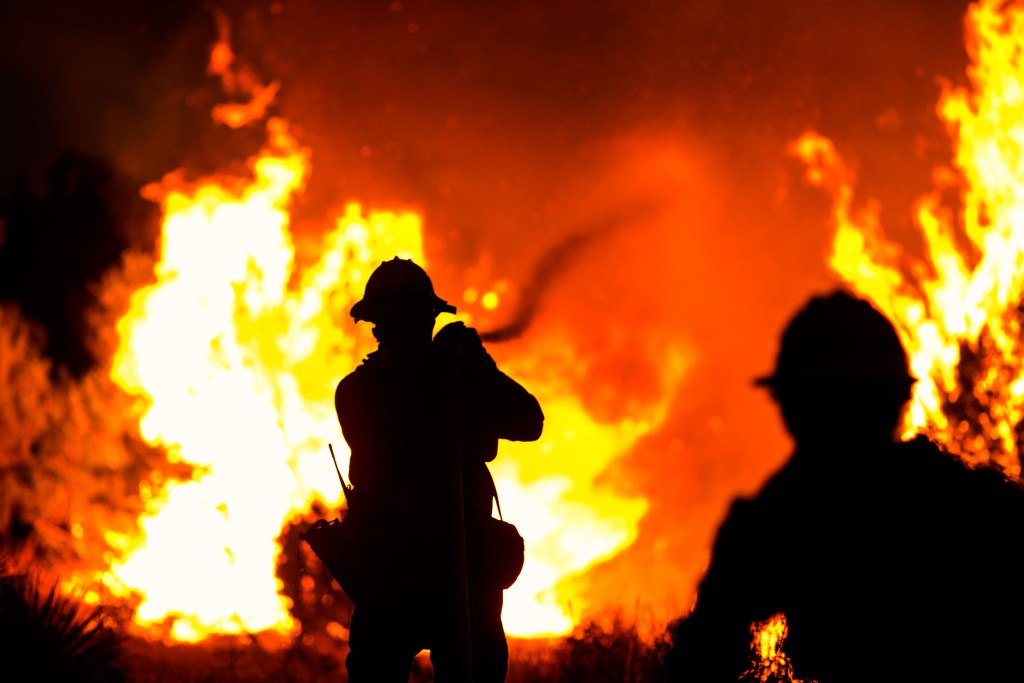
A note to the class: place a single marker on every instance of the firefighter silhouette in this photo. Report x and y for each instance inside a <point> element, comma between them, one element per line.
<point>891,561</point>
<point>422,417</point>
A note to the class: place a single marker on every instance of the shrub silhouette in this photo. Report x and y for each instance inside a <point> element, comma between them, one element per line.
<point>52,637</point>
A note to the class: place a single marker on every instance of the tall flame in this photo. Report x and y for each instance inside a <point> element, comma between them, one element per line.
<point>959,311</point>
<point>234,354</point>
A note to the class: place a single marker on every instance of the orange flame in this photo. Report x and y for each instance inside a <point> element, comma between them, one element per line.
<point>958,312</point>
<point>237,81</point>
<point>234,354</point>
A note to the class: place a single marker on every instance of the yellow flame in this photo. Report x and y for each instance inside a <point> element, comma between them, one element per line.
<point>964,294</point>
<point>769,663</point>
<point>548,489</point>
<point>220,350</point>
<point>768,638</point>
<point>235,353</point>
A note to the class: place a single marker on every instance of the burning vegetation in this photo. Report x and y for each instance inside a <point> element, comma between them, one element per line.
<point>958,306</point>
<point>245,398</point>
<point>168,482</point>
<point>228,348</point>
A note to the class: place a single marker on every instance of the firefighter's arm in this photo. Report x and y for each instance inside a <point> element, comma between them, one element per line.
<point>519,414</point>
<point>346,404</point>
<point>516,412</point>
<point>356,425</point>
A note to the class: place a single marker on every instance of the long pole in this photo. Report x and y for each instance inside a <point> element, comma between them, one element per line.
<point>460,575</point>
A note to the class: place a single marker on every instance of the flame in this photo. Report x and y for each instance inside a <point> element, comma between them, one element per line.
<point>768,637</point>
<point>237,79</point>
<point>234,354</point>
<point>957,308</point>
<point>770,663</point>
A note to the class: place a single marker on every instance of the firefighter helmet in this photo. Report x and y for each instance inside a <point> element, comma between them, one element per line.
<point>398,286</point>
<point>839,338</point>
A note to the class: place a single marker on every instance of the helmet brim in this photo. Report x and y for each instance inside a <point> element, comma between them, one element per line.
<point>371,310</point>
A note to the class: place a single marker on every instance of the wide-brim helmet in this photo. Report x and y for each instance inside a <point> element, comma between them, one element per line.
<point>839,339</point>
<point>398,287</point>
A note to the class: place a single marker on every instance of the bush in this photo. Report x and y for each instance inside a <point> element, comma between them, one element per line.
<point>53,637</point>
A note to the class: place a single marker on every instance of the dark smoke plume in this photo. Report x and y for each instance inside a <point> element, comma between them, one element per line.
<point>556,261</point>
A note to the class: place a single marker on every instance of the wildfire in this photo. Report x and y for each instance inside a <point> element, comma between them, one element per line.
<point>234,354</point>
<point>958,307</point>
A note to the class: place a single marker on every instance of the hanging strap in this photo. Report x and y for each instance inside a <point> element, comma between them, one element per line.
<point>494,492</point>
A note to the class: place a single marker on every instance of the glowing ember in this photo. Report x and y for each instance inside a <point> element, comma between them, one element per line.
<point>234,354</point>
<point>959,313</point>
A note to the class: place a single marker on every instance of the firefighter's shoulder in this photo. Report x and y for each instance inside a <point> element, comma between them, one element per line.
<point>353,386</point>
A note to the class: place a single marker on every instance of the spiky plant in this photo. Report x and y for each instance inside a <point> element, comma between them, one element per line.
<point>614,652</point>
<point>52,637</point>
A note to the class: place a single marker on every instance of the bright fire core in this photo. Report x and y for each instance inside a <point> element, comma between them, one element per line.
<point>235,353</point>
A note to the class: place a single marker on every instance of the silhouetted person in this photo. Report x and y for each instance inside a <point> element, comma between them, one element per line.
<point>890,561</point>
<point>409,409</point>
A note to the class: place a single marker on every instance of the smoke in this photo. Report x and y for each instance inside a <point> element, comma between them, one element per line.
<point>553,263</point>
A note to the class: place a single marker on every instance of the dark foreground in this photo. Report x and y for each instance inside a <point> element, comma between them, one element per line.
<point>595,654</point>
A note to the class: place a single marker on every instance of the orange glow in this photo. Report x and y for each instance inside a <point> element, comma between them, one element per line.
<point>234,354</point>
<point>237,81</point>
<point>957,306</point>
